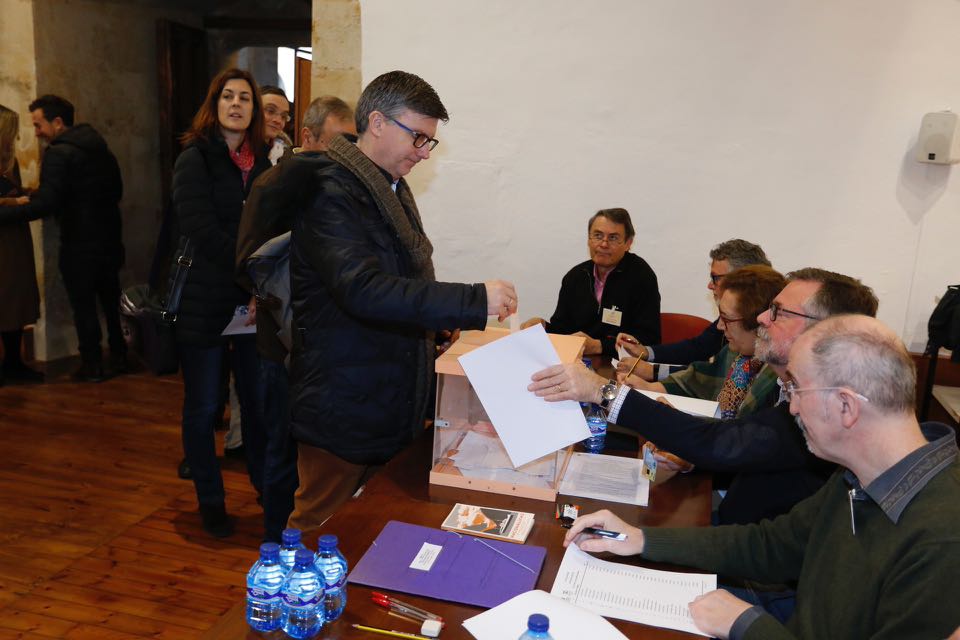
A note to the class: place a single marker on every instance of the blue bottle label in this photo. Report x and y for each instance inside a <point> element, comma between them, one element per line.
<point>259,593</point>
<point>297,602</point>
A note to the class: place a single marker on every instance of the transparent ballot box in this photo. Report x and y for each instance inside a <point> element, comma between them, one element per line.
<point>467,452</point>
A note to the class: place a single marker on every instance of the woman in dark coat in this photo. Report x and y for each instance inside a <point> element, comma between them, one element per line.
<point>224,152</point>
<point>18,276</point>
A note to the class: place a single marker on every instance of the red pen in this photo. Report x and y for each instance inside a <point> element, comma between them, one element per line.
<point>393,604</point>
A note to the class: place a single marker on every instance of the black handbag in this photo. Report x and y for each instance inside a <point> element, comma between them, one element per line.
<point>149,318</point>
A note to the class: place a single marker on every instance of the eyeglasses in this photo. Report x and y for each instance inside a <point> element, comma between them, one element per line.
<point>272,112</point>
<point>790,389</point>
<point>419,139</point>
<point>716,277</point>
<point>613,239</point>
<point>776,309</point>
<point>729,320</point>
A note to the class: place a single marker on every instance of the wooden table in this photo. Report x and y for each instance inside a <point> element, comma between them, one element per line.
<point>401,492</point>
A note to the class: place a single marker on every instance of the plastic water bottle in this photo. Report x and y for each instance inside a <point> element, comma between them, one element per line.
<point>302,593</point>
<point>289,543</point>
<point>538,628</point>
<point>597,422</point>
<point>333,567</point>
<point>263,589</point>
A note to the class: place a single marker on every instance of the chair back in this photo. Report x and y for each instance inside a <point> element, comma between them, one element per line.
<point>675,327</point>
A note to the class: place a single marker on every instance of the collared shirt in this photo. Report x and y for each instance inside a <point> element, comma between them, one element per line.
<point>599,282</point>
<point>893,489</point>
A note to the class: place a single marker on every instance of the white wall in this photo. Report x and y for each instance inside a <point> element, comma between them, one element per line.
<point>788,123</point>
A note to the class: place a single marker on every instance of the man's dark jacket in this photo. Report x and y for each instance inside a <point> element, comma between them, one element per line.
<point>359,320</point>
<point>631,286</point>
<point>275,200</point>
<point>699,348</point>
<point>773,469</point>
<point>208,195</point>
<point>80,184</point>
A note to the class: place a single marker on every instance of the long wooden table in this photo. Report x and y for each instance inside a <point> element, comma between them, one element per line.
<point>401,492</point>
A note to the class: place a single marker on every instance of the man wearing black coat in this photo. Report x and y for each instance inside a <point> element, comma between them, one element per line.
<point>366,301</point>
<point>80,185</point>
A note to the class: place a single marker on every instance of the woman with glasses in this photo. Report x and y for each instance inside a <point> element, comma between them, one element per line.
<point>224,152</point>
<point>735,377</point>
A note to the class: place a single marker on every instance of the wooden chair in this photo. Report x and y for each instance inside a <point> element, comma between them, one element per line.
<point>680,326</point>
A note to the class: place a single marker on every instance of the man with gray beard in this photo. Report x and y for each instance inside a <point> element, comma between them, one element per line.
<point>773,470</point>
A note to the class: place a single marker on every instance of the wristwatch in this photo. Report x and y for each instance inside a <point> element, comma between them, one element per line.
<point>608,393</point>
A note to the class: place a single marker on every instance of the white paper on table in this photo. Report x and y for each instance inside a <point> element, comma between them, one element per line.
<point>530,427</point>
<point>567,622</point>
<point>647,596</point>
<point>238,323</point>
<point>611,478</point>
<point>476,451</point>
<point>693,406</point>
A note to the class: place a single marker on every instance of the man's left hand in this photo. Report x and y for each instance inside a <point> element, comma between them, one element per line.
<point>592,347</point>
<point>571,381</point>
<point>714,613</point>
<point>445,340</point>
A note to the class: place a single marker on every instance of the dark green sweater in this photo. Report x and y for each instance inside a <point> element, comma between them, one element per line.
<point>890,580</point>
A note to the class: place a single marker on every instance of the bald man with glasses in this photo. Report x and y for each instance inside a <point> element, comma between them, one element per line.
<point>613,292</point>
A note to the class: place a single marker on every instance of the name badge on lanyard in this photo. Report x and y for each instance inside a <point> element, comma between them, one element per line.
<point>612,316</point>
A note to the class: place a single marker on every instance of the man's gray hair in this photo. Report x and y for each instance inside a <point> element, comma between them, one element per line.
<point>838,294</point>
<point>395,91</point>
<point>322,108</point>
<point>865,357</point>
<point>739,253</point>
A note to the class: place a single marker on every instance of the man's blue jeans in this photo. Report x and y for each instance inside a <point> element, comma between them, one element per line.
<point>280,479</point>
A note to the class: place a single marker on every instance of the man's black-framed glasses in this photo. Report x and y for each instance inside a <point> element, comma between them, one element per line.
<point>776,309</point>
<point>420,140</point>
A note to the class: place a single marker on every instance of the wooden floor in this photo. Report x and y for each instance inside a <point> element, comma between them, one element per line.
<point>98,536</point>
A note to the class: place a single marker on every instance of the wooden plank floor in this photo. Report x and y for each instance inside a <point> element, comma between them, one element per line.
<point>98,536</point>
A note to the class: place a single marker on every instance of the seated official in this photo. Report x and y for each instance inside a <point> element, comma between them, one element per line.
<point>725,257</point>
<point>876,552</point>
<point>735,377</point>
<point>773,469</point>
<point>613,291</point>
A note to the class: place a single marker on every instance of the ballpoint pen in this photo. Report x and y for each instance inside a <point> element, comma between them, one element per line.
<point>384,600</point>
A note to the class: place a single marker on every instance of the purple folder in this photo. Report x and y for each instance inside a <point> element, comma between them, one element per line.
<point>468,569</point>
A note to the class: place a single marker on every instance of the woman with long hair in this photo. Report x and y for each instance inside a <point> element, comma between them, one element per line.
<point>18,276</point>
<point>224,151</point>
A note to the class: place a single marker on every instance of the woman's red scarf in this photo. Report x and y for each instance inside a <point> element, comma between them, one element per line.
<point>243,157</point>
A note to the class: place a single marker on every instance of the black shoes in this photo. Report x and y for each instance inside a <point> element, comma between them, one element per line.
<point>118,364</point>
<point>89,372</point>
<point>216,522</point>
<point>20,372</point>
<point>235,452</point>
<point>183,470</point>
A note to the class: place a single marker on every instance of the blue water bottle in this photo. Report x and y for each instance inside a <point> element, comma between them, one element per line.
<point>263,589</point>
<point>290,541</point>
<point>538,628</point>
<point>302,593</point>
<point>597,422</point>
<point>333,567</point>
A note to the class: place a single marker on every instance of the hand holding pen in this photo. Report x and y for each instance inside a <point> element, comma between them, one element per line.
<point>612,526</point>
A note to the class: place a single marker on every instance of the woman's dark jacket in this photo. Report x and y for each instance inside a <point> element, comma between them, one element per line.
<point>208,196</point>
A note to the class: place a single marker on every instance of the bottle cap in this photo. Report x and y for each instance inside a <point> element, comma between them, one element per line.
<point>327,542</point>
<point>303,556</point>
<point>431,628</point>
<point>538,622</point>
<point>269,551</point>
<point>290,537</point>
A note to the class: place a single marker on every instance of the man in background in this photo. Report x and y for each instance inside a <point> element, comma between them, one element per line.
<point>80,185</point>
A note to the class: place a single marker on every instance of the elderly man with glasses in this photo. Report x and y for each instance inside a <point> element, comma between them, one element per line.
<point>365,300</point>
<point>614,291</point>
<point>875,553</point>
<point>768,457</point>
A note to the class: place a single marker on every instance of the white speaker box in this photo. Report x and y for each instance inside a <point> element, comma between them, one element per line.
<point>939,140</point>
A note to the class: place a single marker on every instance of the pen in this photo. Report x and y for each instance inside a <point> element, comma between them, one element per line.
<point>603,533</point>
<point>384,600</point>
<point>390,632</point>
